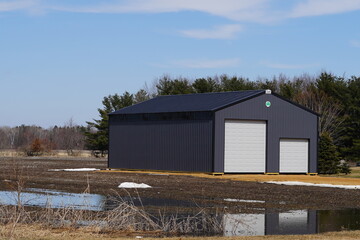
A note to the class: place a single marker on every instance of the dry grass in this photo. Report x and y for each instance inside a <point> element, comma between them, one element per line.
<point>125,218</point>
<point>355,173</point>
<point>90,233</point>
<point>352,179</point>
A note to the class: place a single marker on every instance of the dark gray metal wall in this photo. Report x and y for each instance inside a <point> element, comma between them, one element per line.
<point>177,145</point>
<point>284,120</point>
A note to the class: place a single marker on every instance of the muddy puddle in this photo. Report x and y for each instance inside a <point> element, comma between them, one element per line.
<point>268,222</point>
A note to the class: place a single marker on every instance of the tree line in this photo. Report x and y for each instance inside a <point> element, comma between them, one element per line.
<point>34,140</point>
<point>335,98</point>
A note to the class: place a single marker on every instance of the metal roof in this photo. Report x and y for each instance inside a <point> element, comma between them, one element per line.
<point>190,102</point>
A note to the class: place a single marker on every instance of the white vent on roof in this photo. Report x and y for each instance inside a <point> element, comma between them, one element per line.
<point>267,91</point>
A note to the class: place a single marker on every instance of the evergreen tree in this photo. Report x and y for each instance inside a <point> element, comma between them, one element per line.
<point>141,96</point>
<point>349,140</point>
<point>168,86</point>
<point>97,132</point>
<point>289,89</point>
<point>205,85</point>
<point>328,155</point>
<point>235,83</point>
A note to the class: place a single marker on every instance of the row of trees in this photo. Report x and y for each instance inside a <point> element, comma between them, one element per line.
<point>34,139</point>
<point>335,98</point>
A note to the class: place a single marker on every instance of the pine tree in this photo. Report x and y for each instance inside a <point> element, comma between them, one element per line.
<point>97,132</point>
<point>202,85</point>
<point>328,155</point>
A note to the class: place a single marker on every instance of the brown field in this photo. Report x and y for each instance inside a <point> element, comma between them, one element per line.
<point>203,190</point>
<point>350,179</point>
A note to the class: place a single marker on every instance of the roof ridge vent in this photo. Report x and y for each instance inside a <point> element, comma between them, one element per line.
<point>267,91</point>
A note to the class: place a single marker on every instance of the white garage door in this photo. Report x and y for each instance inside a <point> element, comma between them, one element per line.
<point>245,146</point>
<point>294,155</point>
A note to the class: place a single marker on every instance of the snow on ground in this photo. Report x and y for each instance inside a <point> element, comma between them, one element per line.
<point>243,200</point>
<point>133,185</point>
<point>295,183</point>
<point>75,170</point>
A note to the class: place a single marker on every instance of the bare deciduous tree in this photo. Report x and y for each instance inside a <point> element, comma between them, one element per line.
<point>328,108</point>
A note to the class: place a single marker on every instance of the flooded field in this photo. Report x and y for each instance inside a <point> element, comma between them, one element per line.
<point>269,222</point>
<point>199,206</point>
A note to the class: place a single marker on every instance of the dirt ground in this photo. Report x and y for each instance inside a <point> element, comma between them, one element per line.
<point>187,190</point>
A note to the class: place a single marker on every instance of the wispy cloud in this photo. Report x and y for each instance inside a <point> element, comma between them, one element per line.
<point>206,63</point>
<point>15,5</point>
<point>260,11</point>
<point>324,7</point>
<point>247,10</point>
<point>219,32</point>
<point>355,43</point>
<point>287,65</point>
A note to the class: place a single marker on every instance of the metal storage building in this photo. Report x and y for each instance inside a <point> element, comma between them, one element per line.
<point>230,132</point>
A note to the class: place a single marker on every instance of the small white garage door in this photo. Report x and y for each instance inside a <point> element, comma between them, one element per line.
<point>294,155</point>
<point>245,146</point>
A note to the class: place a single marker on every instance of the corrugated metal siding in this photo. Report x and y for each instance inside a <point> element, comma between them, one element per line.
<point>184,145</point>
<point>284,120</point>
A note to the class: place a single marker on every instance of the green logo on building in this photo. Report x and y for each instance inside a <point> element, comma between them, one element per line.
<point>268,104</point>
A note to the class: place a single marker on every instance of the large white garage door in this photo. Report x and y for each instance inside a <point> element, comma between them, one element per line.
<point>245,146</point>
<point>294,155</point>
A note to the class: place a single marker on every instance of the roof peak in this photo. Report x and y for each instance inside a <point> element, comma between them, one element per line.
<point>197,102</point>
<point>210,93</point>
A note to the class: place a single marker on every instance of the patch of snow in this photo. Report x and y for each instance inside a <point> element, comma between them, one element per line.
<point>133,185</point>
<point>243,200</point>
<point>75,170</point>
<point>295,183</point>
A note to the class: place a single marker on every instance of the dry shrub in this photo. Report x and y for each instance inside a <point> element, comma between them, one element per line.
<point>126,217</point>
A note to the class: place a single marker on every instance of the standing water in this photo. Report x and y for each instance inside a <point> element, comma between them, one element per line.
<point>267,223</point>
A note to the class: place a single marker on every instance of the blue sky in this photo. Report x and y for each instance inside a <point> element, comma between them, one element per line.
<point>59,58</point>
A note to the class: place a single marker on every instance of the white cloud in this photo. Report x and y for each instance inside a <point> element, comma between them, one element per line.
<point>260,11</point>
<point>219,32</point>
<point>324,7</point>
<point>355,43</point>
<point>7,6</point>
<point>286,65</point>
<point>206,63</point>
<point>250,10</point>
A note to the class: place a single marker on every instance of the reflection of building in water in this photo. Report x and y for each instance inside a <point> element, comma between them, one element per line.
<point>292,222</point>
<point>244,224</point>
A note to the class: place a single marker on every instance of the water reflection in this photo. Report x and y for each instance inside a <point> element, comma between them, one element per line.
<point>267,223</point>
<point>54,199</point>
<point>291,222</point>
<point>346,219</point>
<point>244,224</point>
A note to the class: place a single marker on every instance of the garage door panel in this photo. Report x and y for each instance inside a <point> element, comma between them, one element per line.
<point>294,155</point>
<point>245,146</point>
